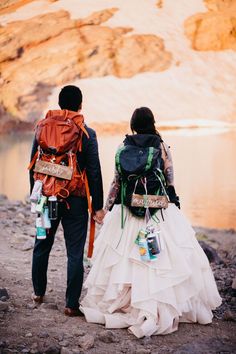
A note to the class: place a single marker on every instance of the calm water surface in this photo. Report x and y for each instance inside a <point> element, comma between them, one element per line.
<point>204,164</point>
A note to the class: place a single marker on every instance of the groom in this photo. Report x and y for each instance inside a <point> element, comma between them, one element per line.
<point>75,218</point>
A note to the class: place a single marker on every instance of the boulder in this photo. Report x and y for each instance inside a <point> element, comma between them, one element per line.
<point>215,29</point>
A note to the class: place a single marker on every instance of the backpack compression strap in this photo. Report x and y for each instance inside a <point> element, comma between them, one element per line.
<point>150,158</point>
<point>91,235</point>
<point>92,221</point>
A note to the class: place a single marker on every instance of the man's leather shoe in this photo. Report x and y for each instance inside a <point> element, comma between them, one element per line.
<point>73,312</point>
<point>37,299</point>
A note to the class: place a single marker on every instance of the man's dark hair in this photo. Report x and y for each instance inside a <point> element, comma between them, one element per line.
<point>70,98</point>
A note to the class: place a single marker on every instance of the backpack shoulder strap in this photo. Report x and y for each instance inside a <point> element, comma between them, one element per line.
<point>117,158</point>
<point>32,162</point>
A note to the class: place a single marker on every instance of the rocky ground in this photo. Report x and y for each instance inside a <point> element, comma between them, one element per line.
<point>25,328</point>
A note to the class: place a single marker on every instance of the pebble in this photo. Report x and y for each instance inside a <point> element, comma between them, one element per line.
<point>43,334</point>
<point>28,335</point>
<point>4,306</point>
<point>49,306</point>
<point>229,316</point>
<point>64,343</point>
<point>52,349</point>
<point>142,351</point>
<point>28,245</point>
<point>80,333</point>
<point>66,351</point>
<point>107,337</point>
<point>3,299</point>
<point>146,340</point>
<point>4,293</point>
<point>234,284</point>
<point>86,342</point>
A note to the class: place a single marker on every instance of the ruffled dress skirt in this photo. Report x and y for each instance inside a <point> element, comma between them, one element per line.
<point>149,297</point>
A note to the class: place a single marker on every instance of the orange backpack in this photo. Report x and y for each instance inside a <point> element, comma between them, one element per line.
<point>59,136</point>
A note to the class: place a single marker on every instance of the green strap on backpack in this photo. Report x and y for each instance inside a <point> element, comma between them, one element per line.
<point>124,183</point>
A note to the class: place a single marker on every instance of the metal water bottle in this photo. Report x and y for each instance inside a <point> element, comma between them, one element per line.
<point>40,230</point>
<point>153,241</point>
<point>53,207</point>
<point>143,246</point>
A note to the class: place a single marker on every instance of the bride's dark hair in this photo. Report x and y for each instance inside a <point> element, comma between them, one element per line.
<point>143,121</point>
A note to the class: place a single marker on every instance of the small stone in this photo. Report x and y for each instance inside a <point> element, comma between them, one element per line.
<point>63,343</point>
<point>3,292</point>
<point>60,337</point>
<point>43,334</point>
<point>28,245</point>
<point>4,306</point>
<point>234,284</point>
<point>142,351</point>
<point>52,349</point>
<point>3,299</point>
<point>66,351</point>
<point>31,306</point>
<point>86,342</point>
<point>228,282</point>
<point>229,316</point>
<point>28,335</point>
<point>3,344</point>
<point>107,337</point>
<point>79,333</point>
<point>49,306</point>
<point>146,340</point>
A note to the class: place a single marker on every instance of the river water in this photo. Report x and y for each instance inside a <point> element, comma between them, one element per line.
<point>204,164</point>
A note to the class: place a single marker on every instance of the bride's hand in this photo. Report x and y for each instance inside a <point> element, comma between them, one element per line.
<point>99,216</point>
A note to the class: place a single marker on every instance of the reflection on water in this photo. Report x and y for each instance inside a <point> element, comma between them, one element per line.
<point>205,173</point>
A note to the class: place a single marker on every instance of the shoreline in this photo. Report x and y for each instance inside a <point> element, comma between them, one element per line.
<point>15,127</point>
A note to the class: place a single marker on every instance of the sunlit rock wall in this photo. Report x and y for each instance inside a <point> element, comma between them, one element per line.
<point>178,57</point>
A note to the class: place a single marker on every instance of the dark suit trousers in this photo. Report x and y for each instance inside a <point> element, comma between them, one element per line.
<point>74,222</point>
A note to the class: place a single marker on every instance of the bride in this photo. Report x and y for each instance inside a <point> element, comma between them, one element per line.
<point>148,297</point>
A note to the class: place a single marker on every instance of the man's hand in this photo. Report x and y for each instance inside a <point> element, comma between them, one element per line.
<point>99,216</point>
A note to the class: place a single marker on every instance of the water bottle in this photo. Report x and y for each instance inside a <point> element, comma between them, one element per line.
<point>53,207</point>
<point>45,218</point>
<point>33,208</point>
<point>153,241</point>
<point>143,246</point>
<point>40,230</point>
<point>40,206</point>
<point>36,191</point>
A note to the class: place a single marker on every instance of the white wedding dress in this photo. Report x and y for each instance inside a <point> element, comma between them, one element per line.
<point>149,297</point>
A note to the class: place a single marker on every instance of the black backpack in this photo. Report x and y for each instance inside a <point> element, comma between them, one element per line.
<point>140,169</point>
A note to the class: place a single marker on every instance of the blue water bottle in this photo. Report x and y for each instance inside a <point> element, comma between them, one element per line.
<point>143,246</point>
<point>40,230</point>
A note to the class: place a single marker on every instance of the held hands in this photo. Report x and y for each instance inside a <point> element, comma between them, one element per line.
<point>99,216</point>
